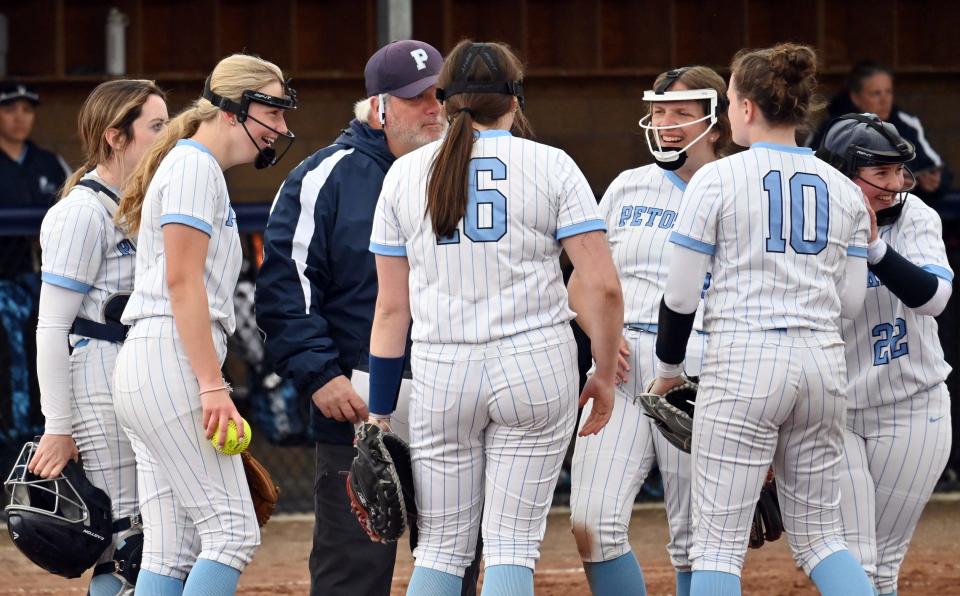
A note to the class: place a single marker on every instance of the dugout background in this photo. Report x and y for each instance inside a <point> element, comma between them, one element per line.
<point>588,64</point>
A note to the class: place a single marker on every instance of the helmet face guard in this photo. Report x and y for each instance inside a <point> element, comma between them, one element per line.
<point>62,524</point>
<point>266,156</point>
<point>853,153</point>
<point>668,157</point>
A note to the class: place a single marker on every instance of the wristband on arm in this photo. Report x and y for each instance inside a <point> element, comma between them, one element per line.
<point>385,377</point>
<point>913,285</point>
<point>673,332</point>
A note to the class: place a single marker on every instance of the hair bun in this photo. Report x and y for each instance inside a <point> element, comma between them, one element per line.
<point>792,62</point>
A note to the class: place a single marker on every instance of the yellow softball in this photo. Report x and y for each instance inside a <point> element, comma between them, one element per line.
<point>234,444</point>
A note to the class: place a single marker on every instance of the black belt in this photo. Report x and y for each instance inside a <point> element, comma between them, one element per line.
<point>110,331</point>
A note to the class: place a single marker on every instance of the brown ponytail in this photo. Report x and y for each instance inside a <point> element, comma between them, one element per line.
<point>447,183</point>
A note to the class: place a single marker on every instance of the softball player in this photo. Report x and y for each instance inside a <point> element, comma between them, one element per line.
<point>689,128</point>
<point>472,226</point>
<point>87,273</point>
<point>785,235</point>
<point>199,522</point>
<point>898,435</point>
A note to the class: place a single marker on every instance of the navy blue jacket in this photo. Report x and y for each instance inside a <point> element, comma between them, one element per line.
<point>33,182</point>
<point>317,288</point>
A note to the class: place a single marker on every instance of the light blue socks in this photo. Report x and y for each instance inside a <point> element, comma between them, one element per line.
<point>210,578</point>
<point>841,575</point>
<point>154,584</point>
<point>617,577</point>
<point>507,580</point>
<point>430,582</point>
<point>714,583</point>
<point>105,584</point>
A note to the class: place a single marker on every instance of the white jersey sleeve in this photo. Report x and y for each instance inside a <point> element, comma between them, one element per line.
<point>892,351</point>
<point>73,241</point>
<point>577,208</point>
<point>920,240</point>
<point>387,237</point>
<point>191,197</point>
<point>700,212</point>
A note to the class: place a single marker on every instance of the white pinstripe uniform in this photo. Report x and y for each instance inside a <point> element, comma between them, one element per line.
<point>780,225</point>
<point>640,209</point>
<point>494,397</point>
<point>83,251</point>
<point>898,436</point>
<point>194,500</point>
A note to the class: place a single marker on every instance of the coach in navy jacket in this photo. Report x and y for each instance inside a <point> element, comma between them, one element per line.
<point>315,249</point>
<point>317,290</point>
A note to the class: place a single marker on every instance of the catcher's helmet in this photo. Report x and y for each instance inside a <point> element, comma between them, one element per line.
<point>855,141</point>
<point>62,524</point>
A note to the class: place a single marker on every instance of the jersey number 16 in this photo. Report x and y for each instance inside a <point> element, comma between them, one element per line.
<point>486,216</point>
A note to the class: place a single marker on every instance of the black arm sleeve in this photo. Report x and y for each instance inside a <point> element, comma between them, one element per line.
<point>673,331</point>
<point>913,285</point>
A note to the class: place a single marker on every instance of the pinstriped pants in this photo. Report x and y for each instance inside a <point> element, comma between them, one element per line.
<point>893,456</point>
<point>768,397</point>
<point>108,458</point>
<point>489,426</point>
<point>195,502</point>
<point>610,467</point>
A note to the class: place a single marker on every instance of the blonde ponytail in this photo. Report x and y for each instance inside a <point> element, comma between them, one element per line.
<point>183,126</point>
<point>230,78</point>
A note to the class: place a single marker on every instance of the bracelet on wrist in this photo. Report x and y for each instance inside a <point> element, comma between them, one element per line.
<point>225,387</point>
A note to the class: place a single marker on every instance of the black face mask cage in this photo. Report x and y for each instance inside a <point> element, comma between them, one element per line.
<point>266,156</point>
<point>461,84</point>
<point>857,156</point>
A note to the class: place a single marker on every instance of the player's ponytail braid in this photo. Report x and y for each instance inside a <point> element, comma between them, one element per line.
<point>447,182</point>
<point>781,80</point>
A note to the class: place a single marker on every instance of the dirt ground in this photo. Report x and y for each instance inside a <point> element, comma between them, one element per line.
<point>932,567</point>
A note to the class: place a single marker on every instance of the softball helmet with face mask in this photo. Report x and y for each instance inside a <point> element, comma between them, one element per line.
<point>62,524</point>
<point>671,157</point>
<point>856,141</point>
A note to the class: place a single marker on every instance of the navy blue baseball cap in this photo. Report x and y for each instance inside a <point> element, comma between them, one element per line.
<point>404,68</point>
<point>11,91</point>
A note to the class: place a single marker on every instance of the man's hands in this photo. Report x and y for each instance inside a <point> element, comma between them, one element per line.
<point>338,400</point>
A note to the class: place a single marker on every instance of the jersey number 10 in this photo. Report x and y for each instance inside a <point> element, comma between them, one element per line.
<point>486,216</point>
<point>773,185</point>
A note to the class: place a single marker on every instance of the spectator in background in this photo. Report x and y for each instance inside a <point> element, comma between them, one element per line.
<point>869,88</point>
<point>29,177</point>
